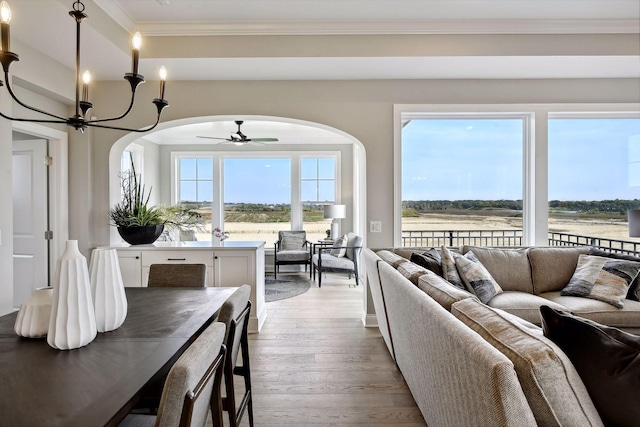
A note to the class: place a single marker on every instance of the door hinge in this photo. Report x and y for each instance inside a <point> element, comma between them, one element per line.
<point>48,160</point>
<point>48,235</point>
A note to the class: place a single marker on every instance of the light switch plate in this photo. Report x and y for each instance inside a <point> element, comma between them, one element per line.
<point>375,226</point>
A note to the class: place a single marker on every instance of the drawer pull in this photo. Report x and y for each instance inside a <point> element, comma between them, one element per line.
<point>176,259</point>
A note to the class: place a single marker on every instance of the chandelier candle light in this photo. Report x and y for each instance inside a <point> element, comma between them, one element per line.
<point>79,120</point>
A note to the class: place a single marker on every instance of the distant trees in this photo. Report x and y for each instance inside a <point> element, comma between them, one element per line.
<point>615,207</point>
<point>440,205</point>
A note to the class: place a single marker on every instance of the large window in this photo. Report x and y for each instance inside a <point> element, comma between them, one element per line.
<point>195,188</point>
<point>257,198</point>
<point>594,177</point>
<point>561,174</point>
<point>318,188</point>
<point>460,176</point>
<point>253,196</point>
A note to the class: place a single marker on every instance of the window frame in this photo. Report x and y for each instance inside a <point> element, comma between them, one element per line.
<point>336,170</point>
<point>535,222</point>
<point>218,158</point>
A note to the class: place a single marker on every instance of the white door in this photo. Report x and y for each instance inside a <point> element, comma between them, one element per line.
<point>30,252</point>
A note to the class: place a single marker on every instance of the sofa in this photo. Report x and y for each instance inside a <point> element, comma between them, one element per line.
<point>469,362</point>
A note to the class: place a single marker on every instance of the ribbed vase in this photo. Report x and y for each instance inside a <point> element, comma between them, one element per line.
<point>73,321</point>
<point>33,316</point>
<point>107,290</point>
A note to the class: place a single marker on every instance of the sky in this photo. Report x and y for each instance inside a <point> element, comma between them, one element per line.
<point>458,159</point>
<point>266,180</point>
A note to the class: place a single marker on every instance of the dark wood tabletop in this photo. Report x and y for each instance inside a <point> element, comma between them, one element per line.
<point>98,384</point>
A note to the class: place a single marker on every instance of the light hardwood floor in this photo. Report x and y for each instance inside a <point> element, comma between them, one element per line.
<point>315,364</point>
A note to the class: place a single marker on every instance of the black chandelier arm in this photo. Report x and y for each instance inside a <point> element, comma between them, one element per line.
<point>94,125</point>
<point>28,107</point>
<point>110,119</point>
<point>16,119</point>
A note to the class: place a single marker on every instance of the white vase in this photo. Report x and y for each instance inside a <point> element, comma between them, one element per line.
<point>33,316</point>
<point>73,321</point>
<point>107,290</point>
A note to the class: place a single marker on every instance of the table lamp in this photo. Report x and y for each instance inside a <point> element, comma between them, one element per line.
<point>335,212</point>
<point>633,216</point>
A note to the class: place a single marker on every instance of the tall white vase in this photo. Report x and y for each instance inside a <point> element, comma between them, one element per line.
<point>73,321</point>
<point>107,290</point>
<point>33,317</point>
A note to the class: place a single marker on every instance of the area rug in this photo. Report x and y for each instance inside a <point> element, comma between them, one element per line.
<point>277,289</point>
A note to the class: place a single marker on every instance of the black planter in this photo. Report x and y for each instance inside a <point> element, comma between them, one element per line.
<point>144,235</point>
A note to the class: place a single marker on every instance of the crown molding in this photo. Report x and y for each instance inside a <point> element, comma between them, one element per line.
<point>497,26</point>
<point>117,13</point>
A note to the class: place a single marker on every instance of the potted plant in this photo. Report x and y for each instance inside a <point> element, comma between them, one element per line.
<point>137,222</point>
<point>179,219</point>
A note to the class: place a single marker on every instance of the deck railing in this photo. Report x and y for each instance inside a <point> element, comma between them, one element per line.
<point>610,245</point>
<point>434,238</point>
<point>413,238</point>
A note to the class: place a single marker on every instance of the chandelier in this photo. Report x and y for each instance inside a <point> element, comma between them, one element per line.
<point>82,105</point>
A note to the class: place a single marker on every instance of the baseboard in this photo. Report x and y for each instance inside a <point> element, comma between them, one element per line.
<point>370,321</point>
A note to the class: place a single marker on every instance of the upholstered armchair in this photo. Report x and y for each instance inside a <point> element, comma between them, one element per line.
<point>342,257</point>
<point>292,248</point>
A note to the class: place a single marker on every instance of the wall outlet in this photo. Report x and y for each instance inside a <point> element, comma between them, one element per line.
<point>375,226</point>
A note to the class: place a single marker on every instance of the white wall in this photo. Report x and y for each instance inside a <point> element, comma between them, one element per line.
<point>363,109</point>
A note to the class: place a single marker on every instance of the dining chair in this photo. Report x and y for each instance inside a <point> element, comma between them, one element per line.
<point>192,386</point>
<point>235,314</point>
<point>177,275</point>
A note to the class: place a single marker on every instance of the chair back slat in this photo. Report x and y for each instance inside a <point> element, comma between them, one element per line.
<point>177,275</point>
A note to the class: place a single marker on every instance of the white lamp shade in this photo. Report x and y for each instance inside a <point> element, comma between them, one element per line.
<point>633,216</point>
<point>335,211</point>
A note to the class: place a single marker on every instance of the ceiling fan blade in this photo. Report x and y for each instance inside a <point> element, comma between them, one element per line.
<point>211,137</point>
<point>264,139</point>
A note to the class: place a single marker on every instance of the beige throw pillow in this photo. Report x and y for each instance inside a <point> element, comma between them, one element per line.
<point>602,279</point>
<point>449,270</point>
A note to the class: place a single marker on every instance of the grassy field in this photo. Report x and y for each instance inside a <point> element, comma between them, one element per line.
<point>265,224</point>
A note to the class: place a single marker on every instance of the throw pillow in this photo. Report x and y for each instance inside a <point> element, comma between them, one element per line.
<point>431,260</point>
<point>291,242</point>
<point>339,248</point>
<point>602,279</point>
<point>552,386</point>
<point>449,270</point>
<point>607,359</point>
<point>634,289</point>
<point>476,277</point>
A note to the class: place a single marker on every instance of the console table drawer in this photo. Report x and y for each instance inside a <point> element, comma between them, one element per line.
<point>178,257</point>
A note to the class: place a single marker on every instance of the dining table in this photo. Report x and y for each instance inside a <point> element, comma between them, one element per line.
<point>99,384</point>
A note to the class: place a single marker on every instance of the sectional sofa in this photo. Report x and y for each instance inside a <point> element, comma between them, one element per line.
<point>488,364</point>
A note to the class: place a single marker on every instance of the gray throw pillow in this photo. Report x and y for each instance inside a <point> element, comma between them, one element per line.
<point>339,247</point>
<point>634,289</point>
<point>291,242</point>
<point>602,279</point>
<point>476,277</point>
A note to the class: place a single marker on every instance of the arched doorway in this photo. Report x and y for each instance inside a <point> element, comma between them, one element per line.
<point>157,155</point>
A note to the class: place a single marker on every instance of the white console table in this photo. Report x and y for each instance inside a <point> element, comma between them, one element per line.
<point>230,263</point>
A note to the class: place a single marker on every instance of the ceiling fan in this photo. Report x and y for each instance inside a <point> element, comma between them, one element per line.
<point>239,138</point>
